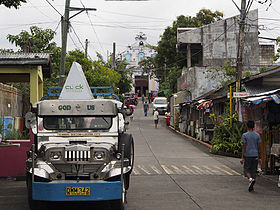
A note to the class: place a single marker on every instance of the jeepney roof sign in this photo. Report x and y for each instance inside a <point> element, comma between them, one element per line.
<point>76,86</point>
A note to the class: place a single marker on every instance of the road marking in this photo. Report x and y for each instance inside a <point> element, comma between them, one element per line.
<point>156,169</point>
<point>144,169</point>
<point>199,169</point>
<point>135,171</point>
<point>214,171</point>
<point>209,172</point>
<point>231,170</point>
<point>167,170</point>
<point>184,170</point>
<point>223,170</point>
<point>178,170</point>
<point>186,167</point>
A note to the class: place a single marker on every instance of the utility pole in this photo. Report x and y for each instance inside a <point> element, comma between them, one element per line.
<point>64,31</point>
<point>114,56</point>
<point>86,48</point>
<point>65,21</point>
<point>240,55</point>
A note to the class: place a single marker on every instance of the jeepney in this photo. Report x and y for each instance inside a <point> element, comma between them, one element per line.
<point>81,151</point>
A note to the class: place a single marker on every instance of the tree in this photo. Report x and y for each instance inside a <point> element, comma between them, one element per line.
<point>12,3</point>
<point>125,81</point>
<point>168,58</point>
<point>277,55</point>
<point>101,75</point>
<point>38,40</point>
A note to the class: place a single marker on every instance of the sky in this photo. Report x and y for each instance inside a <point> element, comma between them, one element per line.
<point>120,21</point>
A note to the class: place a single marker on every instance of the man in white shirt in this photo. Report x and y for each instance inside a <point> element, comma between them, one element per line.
<point>156,117</point>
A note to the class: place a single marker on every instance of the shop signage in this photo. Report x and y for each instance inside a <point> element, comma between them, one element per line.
<point>239,94</point>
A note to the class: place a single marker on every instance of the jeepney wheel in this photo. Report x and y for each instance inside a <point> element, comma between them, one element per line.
<point>119,204</point>
<point>127,140</point>
<point>33,204</point>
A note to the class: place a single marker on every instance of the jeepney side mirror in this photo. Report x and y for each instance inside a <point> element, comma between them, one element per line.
<point>30,121</point>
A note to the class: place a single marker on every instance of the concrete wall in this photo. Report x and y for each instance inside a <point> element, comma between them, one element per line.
<point>220,40</point>
<point>10,101</point>
<point>197,80</point>
<point>266,54</point>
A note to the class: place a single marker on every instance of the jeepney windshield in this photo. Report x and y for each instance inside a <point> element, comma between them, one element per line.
<point>77,123</point>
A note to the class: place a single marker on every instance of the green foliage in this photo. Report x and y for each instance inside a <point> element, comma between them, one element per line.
<point>148,65</point>
<point>125,81</point>
<point>248,74</point>
<point>227,138</point>
<point>15,135</point>
<point>54,79</point>
<point>12,3</point>
<point>101,75</point>
<point>263,69</point>
<point>223,75</point>
<point>6,51</point>
<point>277,55</point>
<point>38,40</point>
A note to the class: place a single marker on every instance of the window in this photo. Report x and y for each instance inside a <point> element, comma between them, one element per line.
<point>77,123</point>
<point>128,57</point>
<point>160,101</point>
<point>141,56</point>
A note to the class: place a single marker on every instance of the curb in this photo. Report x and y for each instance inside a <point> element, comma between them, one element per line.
<point>191,138</point>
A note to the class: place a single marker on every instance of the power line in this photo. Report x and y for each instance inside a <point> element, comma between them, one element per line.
<point>54,8</point>
<point>139,16</point>
<point>122,27</point>
<point>28,24</point>
<point>73,41</point>
<point>77,37</point>
<point>93,28</point>
<point>38,9</point>
<point>57,26</point>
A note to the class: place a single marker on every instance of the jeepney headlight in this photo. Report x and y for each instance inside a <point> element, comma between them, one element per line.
<point>99,155</point>
<point>57,155</point>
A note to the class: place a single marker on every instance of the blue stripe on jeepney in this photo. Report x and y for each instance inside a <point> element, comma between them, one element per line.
<point>55,191</point>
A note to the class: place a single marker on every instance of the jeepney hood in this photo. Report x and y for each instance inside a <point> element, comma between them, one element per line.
<point>73,140</point>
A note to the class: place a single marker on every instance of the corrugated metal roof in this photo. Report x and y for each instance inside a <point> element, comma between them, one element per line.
<point>26,56</point>
<point>254,90</point>
<point>15,59</point>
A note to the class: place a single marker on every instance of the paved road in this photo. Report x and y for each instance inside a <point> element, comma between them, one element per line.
<point>171,172</point>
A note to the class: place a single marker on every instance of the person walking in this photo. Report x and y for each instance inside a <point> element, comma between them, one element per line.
<point>143,98</point>
<point>146,107</point>
<point>251,153</point>
<point>156,117</point>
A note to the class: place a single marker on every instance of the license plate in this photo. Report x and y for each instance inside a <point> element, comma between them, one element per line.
<point>77,191</point>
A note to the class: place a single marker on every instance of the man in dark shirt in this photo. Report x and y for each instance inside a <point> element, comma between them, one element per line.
<point>251,153</point>
<point>146,107</point>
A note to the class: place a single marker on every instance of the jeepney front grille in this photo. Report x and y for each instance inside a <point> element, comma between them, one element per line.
<point>77,155</point>
<point>83,168</point>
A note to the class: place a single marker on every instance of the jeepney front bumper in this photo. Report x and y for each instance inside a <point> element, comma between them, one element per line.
<point>49,172</point>
<point>76,191</point>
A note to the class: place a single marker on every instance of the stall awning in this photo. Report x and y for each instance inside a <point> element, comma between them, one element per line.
<point>204,104</point>
<point>265,96</point>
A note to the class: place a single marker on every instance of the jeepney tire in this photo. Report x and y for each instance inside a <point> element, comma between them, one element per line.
<point>117,204</point>
<point>127,140</point>
<point>33,204</point>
